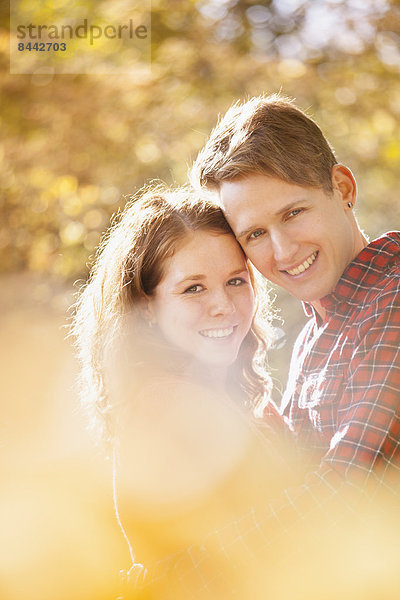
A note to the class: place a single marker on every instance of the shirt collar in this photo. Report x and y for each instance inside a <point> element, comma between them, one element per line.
<point>362,273</point>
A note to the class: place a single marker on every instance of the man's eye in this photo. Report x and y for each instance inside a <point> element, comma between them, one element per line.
<point>236,281</point>
<point>294,212</point>
<point>255,234</point>
<point>193,289</point>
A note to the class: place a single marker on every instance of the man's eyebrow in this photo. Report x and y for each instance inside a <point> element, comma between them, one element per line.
<point>245,231</point>
<point>278,213</point>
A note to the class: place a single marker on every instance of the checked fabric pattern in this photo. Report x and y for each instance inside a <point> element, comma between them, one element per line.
<point>343,393</point>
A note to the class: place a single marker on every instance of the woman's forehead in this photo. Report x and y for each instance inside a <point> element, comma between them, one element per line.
<point>204,252</point>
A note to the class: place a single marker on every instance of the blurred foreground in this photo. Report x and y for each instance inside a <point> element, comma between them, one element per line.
<point>358,560</point>
<point>60,539</point>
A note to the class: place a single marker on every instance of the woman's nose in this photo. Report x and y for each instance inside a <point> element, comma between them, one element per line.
<point>221,303</point>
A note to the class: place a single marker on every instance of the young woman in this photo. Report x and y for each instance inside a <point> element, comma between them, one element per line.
<point>173,365</point>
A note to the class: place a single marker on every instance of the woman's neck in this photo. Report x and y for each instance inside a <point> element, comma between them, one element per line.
<point>214,377</point>
<point>171,360</point>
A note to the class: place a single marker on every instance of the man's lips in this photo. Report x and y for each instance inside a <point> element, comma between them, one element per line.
<point>302,267</point>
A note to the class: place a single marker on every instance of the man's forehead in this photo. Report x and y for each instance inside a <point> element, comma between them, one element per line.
<point>246,196</point>
<point>241,211</point>
<point>260,191</point>
<point>237,193</point>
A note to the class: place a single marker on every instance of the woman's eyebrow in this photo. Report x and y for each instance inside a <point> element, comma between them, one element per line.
<point>238,272</point>
<point>201,276</point>
<point>191,278</point>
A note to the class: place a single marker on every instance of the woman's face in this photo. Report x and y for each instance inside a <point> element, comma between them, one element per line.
<point>204,303</point>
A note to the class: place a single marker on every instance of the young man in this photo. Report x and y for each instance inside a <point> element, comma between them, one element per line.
<point>291,207</point>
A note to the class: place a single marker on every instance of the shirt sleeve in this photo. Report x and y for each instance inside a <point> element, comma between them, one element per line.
<point>366,444</point>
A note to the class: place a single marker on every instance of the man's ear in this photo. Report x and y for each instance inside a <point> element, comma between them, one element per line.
<point>344,183</point>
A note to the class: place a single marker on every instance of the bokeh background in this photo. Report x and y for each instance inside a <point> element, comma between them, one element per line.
<point>72,148</point>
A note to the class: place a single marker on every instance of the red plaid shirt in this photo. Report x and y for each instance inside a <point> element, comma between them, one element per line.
<point>342,402</point>
<point>343,393</point>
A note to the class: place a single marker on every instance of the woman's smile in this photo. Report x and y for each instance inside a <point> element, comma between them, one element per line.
<point>221,333</point>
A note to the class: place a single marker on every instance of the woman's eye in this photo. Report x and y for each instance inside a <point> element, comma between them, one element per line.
<point>255,234</point>
<point>193,289</point>
<point>236,281</point>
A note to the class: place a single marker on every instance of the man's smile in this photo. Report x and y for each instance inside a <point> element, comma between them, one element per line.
<point>302,266</point>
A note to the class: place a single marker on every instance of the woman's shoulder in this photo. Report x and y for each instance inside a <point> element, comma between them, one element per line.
<point>181,440</point>
<point>162,384</point>
<point>169,392</point>
<point>167,404</point>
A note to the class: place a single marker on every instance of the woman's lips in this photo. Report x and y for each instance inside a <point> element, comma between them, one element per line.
<point>219,333</point>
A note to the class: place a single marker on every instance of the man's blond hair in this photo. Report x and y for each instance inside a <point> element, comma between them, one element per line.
<point>267,135</point>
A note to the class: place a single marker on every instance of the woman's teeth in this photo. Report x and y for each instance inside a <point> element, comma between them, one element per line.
<point>216,333</point>
<point>304,266</point>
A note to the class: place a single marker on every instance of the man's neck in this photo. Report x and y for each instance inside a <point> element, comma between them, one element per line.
<point>362,242</point>
<point>320,310</point>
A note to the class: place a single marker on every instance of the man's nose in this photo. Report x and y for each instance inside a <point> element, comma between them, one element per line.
<point>221,303</point>
<point>284,247</point>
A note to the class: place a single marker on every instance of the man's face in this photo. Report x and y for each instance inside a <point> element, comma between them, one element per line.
<point>300,238</point>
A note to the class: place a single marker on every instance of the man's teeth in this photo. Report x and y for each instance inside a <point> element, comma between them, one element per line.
<point>217,333</point>
<point>304,266</point>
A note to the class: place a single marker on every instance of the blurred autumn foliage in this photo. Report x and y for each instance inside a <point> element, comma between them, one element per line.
<point>73,145</point>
